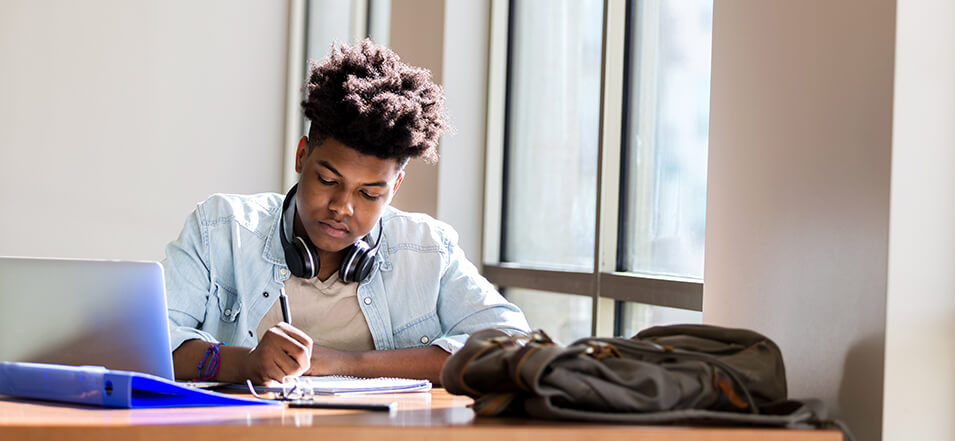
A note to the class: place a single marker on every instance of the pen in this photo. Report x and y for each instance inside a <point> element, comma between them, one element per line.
<point>333,405</point>
<point>286,315</point>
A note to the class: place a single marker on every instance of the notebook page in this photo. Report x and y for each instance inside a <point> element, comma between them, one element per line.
<point>336,384</point>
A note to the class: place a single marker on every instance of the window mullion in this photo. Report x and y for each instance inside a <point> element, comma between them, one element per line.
<point>297,35</point>
<point>359,27</point>
<point>657,290</point>
<point>515,276</point>
<point>608,171</point>
<point>496,119</point>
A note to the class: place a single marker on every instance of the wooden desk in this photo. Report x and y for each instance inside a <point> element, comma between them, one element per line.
<point>435,416</point>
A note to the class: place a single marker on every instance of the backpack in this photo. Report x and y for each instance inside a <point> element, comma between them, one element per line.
<point>680,374</point>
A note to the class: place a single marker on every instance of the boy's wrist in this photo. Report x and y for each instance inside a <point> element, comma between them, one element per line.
<point>328,361</point>
<point>235,364</point>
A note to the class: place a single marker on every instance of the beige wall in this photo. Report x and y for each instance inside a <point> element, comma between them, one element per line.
<point>417,35</point>
<point>117,117</point>
<point>798,190</point>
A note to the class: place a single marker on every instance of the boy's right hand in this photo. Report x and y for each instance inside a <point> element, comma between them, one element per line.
<point>283,351</point>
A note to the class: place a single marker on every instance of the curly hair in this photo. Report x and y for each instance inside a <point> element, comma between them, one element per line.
<point>366,98</point>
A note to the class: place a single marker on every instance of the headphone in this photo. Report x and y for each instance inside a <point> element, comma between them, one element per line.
<point>302,259</point>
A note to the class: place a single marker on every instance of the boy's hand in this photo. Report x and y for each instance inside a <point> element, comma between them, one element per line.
<point>283,351</point>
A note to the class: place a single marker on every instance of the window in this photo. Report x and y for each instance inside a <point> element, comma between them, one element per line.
<point>598,114</point>
<point>567,317</point>
<point>667,131</point>
<point>553,106</point>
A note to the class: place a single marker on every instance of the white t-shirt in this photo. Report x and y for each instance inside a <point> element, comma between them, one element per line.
<point>327,311</point>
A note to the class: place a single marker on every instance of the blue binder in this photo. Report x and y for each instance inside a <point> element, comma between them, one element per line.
<point>98,386</point>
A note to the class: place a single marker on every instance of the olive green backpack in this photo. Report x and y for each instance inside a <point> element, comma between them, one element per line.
<point>680,374</point>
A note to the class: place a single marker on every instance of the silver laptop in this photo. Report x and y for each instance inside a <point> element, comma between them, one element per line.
<point>85,312</point>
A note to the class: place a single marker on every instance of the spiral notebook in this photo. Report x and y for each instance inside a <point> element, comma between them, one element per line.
<point>343,385</point>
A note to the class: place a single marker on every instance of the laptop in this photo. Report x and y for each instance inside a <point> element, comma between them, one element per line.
<point>85,312</point>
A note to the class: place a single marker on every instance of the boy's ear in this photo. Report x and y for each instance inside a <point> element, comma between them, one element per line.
<point>394,189</point>
<point>300,154</point>
<point>401,176</point>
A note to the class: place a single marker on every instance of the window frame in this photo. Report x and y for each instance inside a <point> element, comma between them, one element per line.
<point>604,284</point>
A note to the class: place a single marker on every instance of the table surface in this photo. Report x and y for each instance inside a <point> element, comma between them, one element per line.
<point>434,415</point>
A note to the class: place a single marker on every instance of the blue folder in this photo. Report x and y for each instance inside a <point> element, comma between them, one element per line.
<point>98,386</point>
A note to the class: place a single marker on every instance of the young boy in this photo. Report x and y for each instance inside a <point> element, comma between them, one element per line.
<point>372,291</point>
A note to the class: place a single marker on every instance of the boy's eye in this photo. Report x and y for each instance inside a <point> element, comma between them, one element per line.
<point>323,181</point>
<point>370,196</point>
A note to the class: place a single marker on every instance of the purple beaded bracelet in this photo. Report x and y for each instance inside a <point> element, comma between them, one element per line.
<point>208,372</point>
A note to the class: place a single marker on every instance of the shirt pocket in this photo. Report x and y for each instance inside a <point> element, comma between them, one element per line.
<point>418,332</point>
<point>228,301</point>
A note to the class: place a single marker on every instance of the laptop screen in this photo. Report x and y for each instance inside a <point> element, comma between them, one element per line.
<point>85,312</point>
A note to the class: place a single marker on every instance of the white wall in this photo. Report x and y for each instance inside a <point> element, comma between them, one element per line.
<point>798,190</point>
<point>116,117</point>
<point>920,323</point>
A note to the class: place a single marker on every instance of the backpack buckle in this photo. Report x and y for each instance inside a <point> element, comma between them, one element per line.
<point>601,350</point>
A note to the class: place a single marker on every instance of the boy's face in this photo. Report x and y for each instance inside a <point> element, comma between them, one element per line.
<point>341,192</point>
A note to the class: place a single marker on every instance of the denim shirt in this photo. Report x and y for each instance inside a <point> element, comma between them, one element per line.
<point>225,270</point>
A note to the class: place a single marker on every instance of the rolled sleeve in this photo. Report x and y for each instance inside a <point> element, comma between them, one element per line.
<point>468,303</point>
<point>451,344</point>
<point>180,334</point>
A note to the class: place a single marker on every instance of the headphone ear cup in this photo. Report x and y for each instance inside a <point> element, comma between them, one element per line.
<point>300,256</point>
<point>293,258</point>
<point>307,261</point>
<point>352,267</point>
<point>364,266</point>
<point>294,262</point>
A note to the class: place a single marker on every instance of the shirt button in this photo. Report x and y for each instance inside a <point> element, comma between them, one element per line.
<point>283,271</point>
<point>228,312</point>
<point>251,334</point>
<point>367,300</point>
<point>265,294</point>
<point>424,339</point>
